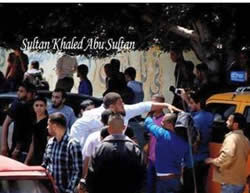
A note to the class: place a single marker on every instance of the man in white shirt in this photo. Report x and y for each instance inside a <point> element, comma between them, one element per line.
<point>65,68</point>
<point>93,140</point>
<point>91,120</point>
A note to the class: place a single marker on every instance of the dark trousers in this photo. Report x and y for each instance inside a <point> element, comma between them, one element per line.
<point>66,83</point>
<point>201,172</point>
<point>151,177</point>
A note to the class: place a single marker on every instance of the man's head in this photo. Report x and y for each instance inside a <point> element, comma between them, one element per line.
<point>159,99</point>
<point>26,91</point>
<point>40,105</point>
<point>236,121</point>
<point>115,65</point>
<point>176,55</point>
<point>17,50</point>
<point>116,124</point>
<point>56,123</point>
<point>130,74</point>
<point>86,105</point>
<point>82,71</point>
<point>35,65</point>
<point>196,102</point>
<point>168,121</point>
<point>107,69</point>
<point>58,98</point>
<point>201,71</point>
<point>105,116</point>
<point>114,102</point>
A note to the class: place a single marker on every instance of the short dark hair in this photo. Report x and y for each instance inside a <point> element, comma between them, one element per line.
<point>61,90</point>
<point>35,64</point>
<point>29,87</point>
<point>240,119</point>
<point>197,98</point>
<point>40,98</point>
<point>58,118</point>
<point>84,104</point>
<point>115,65</point>
<point>83,69</point>
<point>104,132</point>
<point>130,71</point>
<point>105,116</point>
<point>110,98</point>
<point>171,117</point>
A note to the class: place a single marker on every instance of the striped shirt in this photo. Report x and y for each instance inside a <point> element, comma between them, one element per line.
<point>63,160</point>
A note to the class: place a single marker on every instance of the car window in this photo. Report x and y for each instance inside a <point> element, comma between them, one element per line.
<point>26,186</point>
<point>247,113</point>
<point>247,116</point>
<point>221,112</point>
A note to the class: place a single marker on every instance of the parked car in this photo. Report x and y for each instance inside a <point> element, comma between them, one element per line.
<point>16,177</point>
<point>222,105</point>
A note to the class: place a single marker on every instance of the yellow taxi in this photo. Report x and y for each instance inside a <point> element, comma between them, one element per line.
<point>222,105</point>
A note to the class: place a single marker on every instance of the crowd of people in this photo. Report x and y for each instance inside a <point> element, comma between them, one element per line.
<point>123,83</point>
<point>103,149</point>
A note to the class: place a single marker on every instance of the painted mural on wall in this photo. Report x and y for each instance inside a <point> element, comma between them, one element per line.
<point>154,69</point>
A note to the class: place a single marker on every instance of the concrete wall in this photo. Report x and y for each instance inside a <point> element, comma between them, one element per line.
<point>154,68</point>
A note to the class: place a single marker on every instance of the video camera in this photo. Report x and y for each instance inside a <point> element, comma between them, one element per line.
<point>175,90</point>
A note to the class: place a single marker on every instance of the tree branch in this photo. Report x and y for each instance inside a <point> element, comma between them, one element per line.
<point>184,32</point>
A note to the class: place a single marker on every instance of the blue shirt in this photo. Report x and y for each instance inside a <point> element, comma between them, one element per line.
<point>85,87</point>
<point>67,111</point>
<point>137,88</point>
<point>170,150</point>
<point>203,121</point>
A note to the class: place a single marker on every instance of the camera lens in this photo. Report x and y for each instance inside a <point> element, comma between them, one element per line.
<point>178,91</point>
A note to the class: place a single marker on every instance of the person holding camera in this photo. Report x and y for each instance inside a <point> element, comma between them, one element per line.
<point>183,73</point>
<point>203,123</point>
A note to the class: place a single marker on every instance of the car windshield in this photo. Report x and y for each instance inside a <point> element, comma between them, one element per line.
<point>26,186</point>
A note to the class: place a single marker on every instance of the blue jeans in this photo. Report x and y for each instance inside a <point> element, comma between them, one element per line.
<point>151,177</point>
<point>230,188</point>
<point>168,186</point>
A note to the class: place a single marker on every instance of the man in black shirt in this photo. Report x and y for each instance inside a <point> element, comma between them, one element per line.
<point>22,114</point>
<point>117,165</point>
<point>183,73</point>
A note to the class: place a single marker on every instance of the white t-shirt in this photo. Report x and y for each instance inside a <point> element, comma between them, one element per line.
<point>91,120</point>
<point>93,140</point>
<point>66,66</point>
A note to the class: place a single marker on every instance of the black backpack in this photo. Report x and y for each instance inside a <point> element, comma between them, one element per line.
<point>184,126</point>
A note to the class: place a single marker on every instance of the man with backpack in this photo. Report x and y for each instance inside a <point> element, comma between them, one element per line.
<point>118,164</point>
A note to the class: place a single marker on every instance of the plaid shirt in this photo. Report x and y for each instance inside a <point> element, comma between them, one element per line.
<point>63,160</point>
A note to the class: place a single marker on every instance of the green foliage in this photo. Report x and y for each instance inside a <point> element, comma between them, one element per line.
<point>145,23</point>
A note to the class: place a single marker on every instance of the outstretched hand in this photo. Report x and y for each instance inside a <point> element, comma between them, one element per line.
<point>173,109</point>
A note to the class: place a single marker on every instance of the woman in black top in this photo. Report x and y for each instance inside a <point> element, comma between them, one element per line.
<point>40,133</point>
